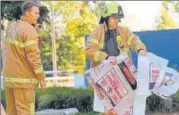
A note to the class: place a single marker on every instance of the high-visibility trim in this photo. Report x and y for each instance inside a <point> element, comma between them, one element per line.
<point>32,109</point>
<point>39,70</point>
<point>30,42</point>
<point>119,38</point>
<point>96,55</point>
<point>125,50</point>
<point>20,44</point>
<point>101,45</point>
<point>129,41</point>
<point>15,42</point>
<point>20,80</point>
<point>92,40</point>
<point>119,41</point>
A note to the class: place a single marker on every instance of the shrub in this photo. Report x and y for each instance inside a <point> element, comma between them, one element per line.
<point>82,99</point>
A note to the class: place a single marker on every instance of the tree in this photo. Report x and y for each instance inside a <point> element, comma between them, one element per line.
<point>77,20</point>
<point>73,20</point>
<point>165,21</point>
<point>76,29</point>
<point>11,10</point>
<point>46,47</point>
<point>175,5</point>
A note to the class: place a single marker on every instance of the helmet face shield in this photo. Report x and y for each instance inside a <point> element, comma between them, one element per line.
<point>119,14</point>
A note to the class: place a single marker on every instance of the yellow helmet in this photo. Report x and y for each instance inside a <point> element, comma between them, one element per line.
<point>111,9</point>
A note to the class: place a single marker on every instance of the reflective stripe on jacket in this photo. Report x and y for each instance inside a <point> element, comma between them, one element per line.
<point>125,38</point>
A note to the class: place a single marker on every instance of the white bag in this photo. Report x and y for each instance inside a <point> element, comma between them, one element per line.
<point>142,91</point>
<point>167,83</point>
<point>157,64</point>
<point>115,91</point>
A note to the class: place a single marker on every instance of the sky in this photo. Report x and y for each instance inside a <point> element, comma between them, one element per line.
<point>140,15</point>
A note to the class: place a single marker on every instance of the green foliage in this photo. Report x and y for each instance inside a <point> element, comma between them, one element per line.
<point>165,21</point>
<point>157,104</point>
<point>77,21</point>
<point>11,10</point>
<point>3,99</point>
<point>80,21</point>
<point>46,54</point>
<point>59,98</point>
<point>176,6</point>
<point>82,99</point>
<point>77,28</point>
<point>45,47</point>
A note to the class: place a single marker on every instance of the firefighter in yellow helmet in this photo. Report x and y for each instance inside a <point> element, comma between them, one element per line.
<point>111,38</point>
<point>22,67</point>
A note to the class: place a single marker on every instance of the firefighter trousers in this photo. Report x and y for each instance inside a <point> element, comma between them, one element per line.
<point>20,101</point>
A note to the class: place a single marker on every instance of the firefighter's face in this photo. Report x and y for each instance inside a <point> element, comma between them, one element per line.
<point>113,22</point>
<point>33,14</point>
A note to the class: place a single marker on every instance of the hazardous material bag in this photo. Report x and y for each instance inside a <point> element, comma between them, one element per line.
<point>164,81</point>
<point>157,64</point>
<point>114,85</point>
<point>153,76</point>
<point>167,83</point>
<point>123,89</point>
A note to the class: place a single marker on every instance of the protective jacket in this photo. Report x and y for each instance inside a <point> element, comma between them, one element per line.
<point>22,67</point>
<point>126,40</point>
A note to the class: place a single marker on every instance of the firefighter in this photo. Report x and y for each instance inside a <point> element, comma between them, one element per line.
<point>22,67</point>
<point>111,38</point>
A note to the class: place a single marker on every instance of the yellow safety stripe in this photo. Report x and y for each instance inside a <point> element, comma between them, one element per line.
<point>20,44</point>
<point>101,45</point>
<point>29,43</point>
<point>32,109</point>
<point>96,55</point>
<point>20,80</point>
<point>119,38</point>
<point>129,41</point>
<point>92,40</point>
<point>39,70</point>
<point>126,50</point>
<point>14,42</point>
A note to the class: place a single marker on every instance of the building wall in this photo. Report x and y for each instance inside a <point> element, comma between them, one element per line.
<point>164,43</point>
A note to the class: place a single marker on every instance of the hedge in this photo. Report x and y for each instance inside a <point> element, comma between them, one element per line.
<point>82,99</point>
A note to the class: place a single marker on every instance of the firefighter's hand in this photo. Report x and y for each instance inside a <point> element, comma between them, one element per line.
<point>112,59</point>
<point>43,84</point>
<point>143,52</point>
